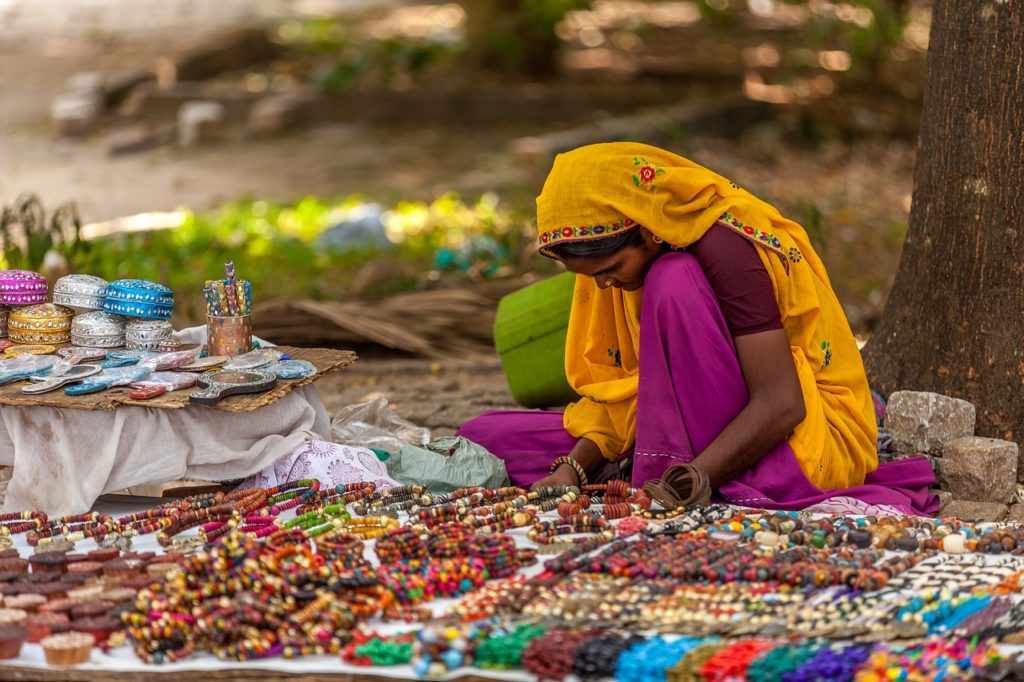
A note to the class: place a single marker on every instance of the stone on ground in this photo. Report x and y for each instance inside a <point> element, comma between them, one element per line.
<point>276,114</point>
<point>975,511</point>
<point>200,121</point>
<point>921,422</point>
<point>1016,514</point>
<point>975,468</point>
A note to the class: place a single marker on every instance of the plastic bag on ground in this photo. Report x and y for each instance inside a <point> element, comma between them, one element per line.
<point>373,425</point>
<point>446,464</point>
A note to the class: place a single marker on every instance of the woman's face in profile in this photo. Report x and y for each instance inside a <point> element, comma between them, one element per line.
<point>625,269</point>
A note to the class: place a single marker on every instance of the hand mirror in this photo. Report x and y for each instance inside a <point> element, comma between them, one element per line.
<point>51,383</point>
<point>219,385</point>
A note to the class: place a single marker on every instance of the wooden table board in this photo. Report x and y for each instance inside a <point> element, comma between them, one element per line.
<point>325,360</point>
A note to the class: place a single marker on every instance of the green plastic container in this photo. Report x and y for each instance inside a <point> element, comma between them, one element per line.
<point>529,334</point>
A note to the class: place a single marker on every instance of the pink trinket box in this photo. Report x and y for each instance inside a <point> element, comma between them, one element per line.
<point>22,287</point>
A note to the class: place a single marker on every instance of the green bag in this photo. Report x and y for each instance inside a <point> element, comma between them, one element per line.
<point>529,335</point>
<point>468,464</point>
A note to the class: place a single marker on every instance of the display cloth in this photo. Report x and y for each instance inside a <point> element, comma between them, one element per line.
<point>121,661</point>
<point>64,459</point>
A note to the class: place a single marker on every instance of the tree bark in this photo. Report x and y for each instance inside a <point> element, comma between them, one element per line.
<point>954,321</point>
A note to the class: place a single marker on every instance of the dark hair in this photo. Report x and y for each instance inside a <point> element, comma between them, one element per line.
<point>598,248</point>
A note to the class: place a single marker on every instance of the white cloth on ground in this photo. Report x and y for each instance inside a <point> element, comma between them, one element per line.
<point>64,459</point>
<point>330,463</point>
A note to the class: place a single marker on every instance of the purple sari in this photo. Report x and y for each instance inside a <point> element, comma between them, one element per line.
<point>691,387</point>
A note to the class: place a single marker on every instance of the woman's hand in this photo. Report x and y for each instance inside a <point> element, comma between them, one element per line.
<point>563,475</point>
<point>586,453</point>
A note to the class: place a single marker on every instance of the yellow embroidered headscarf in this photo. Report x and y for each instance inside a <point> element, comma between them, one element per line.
<point>603,189</point>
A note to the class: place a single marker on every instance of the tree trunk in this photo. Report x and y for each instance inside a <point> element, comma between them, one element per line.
<point>954,322</point>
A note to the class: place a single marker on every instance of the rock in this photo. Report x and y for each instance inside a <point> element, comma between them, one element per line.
<point>934,462</point>
<point>85,82</point>
<point>945,497</point>
<point>199,122</point>
<point>921,422</point>
<point>1016,514</point>
<point>975,511</point>
<point>976,468</point>
<point>139,138</point>
<point>276,114</point>
<point>229,52</point>
<point>76,113</point>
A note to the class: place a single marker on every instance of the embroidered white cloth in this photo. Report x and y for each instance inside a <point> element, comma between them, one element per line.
<point>330,463</point>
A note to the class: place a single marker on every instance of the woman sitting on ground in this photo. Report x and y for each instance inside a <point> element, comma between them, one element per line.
<point>703,331</point>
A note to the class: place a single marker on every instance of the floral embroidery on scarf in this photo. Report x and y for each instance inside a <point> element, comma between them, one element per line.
<point>616,356</point>
<point>645,174</point>
<point>581,232</point>
<point>795,255</point>
<point>761,238</point>
<point>826,348</point>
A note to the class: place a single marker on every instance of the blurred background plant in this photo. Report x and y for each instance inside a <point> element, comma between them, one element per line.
<point>319,249</point>
<point>29,233</point>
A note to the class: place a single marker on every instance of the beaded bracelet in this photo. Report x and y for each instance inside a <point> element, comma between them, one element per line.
<point>581,473</point>
<point>545,532</point>
<point>400,544</point>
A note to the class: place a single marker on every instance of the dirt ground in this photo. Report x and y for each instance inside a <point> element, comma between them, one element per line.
<point>860,193</point>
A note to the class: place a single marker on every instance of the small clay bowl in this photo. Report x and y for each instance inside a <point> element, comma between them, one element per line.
<point>87,568</point>
<point>141,556</point>
<point>58,606</point>
<point>44,577</point>
<point>103,554</point>
<point>90,609</point>
<point>12,616</point>
<point>15,588</point>
<point>123,569</point>
<point>76,557</point>
<point>159,570</point>
<point>73,579</point>
<point>9,553</point>
<point>119,594</point>
<point>68,648</point>
<point>43,625</point>
<point>54,590</point>
<point>49,562</point>
<point>139,582</point>
<point>100,627</point>
<point>8,577</point>
<point>11,639</point>
<point>13,564</point>
<point>26,602</point>
<point>86,593</point>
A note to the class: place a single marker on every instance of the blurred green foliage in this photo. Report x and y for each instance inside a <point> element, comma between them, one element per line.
<point>867,29</point>
<point>517,36</point>
<point>280,248</point>
<point>28,232</point>
<point>346,56</point>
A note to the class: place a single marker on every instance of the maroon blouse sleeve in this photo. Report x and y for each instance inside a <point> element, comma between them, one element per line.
<point>739,280</point>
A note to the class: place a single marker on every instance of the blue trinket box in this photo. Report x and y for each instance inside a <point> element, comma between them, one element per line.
<point>139,298</point>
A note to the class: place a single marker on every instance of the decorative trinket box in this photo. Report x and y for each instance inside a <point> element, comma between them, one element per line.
<point>98,329</point>
<point>139,298</point>
<point>80,291</point>
<point>43,323</point>
<point>4,312</point>
<point>22,287</point>
<point>147,334</point>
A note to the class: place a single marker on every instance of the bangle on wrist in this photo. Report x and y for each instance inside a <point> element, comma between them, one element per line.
<point>581,474</point>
